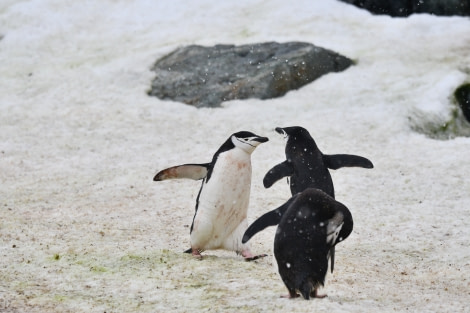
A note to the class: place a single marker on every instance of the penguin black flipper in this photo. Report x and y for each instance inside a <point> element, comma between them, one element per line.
<point>191,171</point>
<point>271,218</point>
<point>277,172</point>
<point>336,161</point>
<point>331,255</point>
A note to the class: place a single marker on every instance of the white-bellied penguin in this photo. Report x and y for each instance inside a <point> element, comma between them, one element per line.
<point>222,203</point>
<point>311,226</point>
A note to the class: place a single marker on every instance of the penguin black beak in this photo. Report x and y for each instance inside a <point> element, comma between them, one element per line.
<point>261,139</point>
<point>281,131</point>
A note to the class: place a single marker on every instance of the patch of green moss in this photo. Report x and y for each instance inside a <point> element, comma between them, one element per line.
<point>98,269</point>
<point>455,125</point>
<point>245,33</point>
<point>451,125</point>
<point>130,257</point>
<point>55,257</point>
<point>60,298</point>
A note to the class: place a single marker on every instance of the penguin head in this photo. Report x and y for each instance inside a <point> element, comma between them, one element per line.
<point>247,141</point>
<point>298,138</point>
<point>292,132</point>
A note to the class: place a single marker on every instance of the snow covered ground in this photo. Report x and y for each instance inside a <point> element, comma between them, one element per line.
<point>83,228</point>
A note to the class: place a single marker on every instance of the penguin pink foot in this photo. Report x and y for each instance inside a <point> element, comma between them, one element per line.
<point>314,294</point>
<point>250,257</point>
<point>196,254</point>
<point>289,296</point>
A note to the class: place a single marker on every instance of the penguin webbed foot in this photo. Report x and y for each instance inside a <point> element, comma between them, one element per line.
<point>290,296</point>
<point>314,294</point>
<point>255,257</point>
<point>250,257</point>
<point>196,253</point>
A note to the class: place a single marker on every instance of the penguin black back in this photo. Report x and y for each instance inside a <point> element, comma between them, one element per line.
<point>308,231</point>
<point>307,162</point>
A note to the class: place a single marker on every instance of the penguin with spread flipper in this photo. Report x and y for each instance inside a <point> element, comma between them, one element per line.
<point>222,203</point>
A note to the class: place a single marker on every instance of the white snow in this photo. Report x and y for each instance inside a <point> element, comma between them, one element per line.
<point>83,228</point>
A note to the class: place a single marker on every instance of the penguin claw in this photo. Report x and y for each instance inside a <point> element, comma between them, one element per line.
<point>255,257</point>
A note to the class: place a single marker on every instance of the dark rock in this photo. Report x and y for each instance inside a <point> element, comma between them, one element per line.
<point>388,7</point>
<point>462,95</point>
<point>403,8</point>
<point>207,76</point>
<point>442,7</point>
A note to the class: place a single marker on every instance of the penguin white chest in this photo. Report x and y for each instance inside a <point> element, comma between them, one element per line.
<point>224,199</point>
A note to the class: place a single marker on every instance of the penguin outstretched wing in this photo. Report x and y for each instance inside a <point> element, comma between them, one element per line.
<point>336,161</point>
<point>191,171</point>
<point>277,172</point>
<point>271,218</point>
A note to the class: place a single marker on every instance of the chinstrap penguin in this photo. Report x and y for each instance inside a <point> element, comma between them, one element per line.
<point>306,165</point>
<point>312,225</point>
<point>222,203</point>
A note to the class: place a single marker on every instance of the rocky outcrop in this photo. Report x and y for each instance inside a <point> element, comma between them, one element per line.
<point>403,8</point>
<point>462,95</point>
<point>207,76</point>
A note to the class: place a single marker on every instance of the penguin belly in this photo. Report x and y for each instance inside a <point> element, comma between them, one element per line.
<point>221,217</point>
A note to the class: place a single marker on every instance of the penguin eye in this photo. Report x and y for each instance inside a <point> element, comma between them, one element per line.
<point>249,139</point>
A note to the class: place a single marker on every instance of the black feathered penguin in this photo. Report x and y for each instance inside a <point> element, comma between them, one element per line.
<point>306,165</point>
<point>305,239</point>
